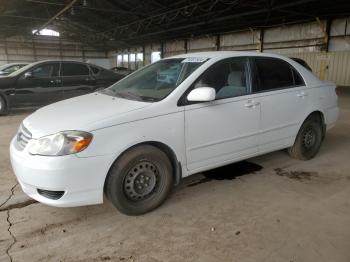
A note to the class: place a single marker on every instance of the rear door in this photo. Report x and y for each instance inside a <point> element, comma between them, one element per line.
<point>41,86</point>
<point>284,97</point>
<point>76,79</point>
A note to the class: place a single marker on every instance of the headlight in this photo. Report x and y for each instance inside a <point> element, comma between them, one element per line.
<point>62,143</point>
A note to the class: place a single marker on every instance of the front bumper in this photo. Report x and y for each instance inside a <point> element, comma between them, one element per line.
<point>81,179</point>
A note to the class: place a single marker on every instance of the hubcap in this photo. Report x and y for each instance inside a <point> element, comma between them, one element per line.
<point>0,105</point>
<point>309,139</point>
<point>141,181</point>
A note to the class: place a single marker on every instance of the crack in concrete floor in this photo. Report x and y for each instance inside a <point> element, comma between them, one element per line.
<point>19,205</point>
<point>10,196</point>
<point>14,240</point>
<point>8,218</point>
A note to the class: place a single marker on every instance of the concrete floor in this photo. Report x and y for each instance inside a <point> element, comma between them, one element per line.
<point>290,210</point>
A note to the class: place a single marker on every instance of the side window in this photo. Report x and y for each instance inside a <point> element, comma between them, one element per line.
<point>74,69</point>
<point>95,70</point>
<point>273,73</point>
<point>228,77</point>
<point>46,70</point>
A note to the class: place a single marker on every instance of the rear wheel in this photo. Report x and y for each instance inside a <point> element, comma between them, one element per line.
<point>140,180</point>
<point>3,107</point>
<point>309,139</point>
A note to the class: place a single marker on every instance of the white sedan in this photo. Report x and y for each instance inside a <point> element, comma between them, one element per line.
<point>136,139</point>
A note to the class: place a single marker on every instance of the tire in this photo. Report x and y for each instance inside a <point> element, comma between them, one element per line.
<point>309,139</point>
<point>3,107</point>
<point>140,180</point>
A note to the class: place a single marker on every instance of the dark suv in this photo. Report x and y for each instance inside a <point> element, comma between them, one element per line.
<point>45,82</point>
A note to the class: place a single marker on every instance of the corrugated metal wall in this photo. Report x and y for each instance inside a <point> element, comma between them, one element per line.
<point>301,40</point>
<point>333,66</point>
<point>27,49</point>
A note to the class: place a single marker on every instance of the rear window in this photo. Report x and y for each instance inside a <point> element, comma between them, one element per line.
<point>274,73</point>
<point>74,69</point>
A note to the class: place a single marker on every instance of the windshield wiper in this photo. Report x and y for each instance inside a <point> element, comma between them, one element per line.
<point>128,95</point>
<point>136,96</point>
<point>149,99</point>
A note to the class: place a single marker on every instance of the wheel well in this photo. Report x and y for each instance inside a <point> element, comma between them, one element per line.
<point>319,115</point>
<point>3,97</point>
<point>177,170</point>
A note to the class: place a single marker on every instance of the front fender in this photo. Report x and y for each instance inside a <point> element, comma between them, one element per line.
<point>113,141</point>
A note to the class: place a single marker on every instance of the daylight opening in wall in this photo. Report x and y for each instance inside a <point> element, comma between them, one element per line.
<point>139,57</point>
<point>155,56</point>
<point>132,57</point>
<point>125,58</point>
<point>46,31</point>
<point>119,60</point>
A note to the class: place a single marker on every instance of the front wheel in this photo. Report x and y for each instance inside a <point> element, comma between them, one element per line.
<point>140,180</point>
<point>308,141</point>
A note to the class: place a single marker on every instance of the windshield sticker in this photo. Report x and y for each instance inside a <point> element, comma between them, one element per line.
<point>194,60</point>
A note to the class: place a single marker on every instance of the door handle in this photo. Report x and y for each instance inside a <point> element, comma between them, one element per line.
<point>302,94</point>
<point>251,104</point>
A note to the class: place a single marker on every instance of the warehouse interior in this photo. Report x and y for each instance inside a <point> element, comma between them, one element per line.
<point>288,211</point>
<point>134,30</point>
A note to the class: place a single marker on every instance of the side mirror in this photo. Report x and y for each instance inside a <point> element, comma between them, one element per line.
<point>28,75</point>
<point>202,94</point>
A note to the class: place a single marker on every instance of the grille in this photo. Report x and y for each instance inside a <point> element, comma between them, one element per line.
<point>54,195</point>
<point>23,137</point>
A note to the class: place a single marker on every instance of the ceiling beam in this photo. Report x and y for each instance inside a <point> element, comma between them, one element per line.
<point>55,16</point>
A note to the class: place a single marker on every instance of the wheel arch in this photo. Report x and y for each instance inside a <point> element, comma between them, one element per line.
<point>315,113</point>
<point>177,168</point>
<point>2,95</point>
<point>318,114</point>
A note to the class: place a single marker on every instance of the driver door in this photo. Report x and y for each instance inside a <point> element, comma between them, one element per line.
<point>226,129</point>
<point>39,86</point>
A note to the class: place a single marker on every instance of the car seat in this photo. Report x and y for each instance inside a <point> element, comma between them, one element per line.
<point>235,86</point>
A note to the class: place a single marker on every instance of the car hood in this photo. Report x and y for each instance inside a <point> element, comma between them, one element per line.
<point>80,113</point>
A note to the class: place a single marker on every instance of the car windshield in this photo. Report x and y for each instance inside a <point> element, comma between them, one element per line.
<point>156,81</point>
<point>13,68</point>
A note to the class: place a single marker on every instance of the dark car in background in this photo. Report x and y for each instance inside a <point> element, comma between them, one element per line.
<point>45,82</point>
<point>10,68</point>
<point>122,70</point>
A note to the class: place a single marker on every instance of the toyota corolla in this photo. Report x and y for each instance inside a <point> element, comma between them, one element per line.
<point>136,139</point>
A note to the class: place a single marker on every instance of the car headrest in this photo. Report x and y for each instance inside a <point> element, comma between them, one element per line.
<point>235,78</point>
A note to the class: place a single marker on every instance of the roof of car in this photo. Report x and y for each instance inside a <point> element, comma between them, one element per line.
<point>223,54</point>
<point>41,61</point>
<point>12,64</point>
<point>58,61</point>
<point>19,63</point>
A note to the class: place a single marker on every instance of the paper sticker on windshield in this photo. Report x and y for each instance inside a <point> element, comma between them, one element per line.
<point>194,60</point>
